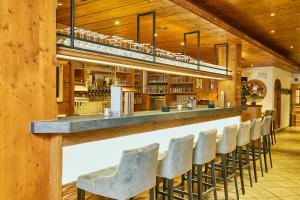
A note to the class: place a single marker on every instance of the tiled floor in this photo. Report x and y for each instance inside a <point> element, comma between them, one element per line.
<point>281,182</point>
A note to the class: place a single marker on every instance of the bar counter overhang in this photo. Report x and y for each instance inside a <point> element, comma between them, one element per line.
<point>90,143</point>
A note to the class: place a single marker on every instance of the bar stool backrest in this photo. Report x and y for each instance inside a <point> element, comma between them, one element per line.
<point>179,158</point>
<point>227,142</point>
<point>243,134</point>
<point>136,173</point>
<point>273,114</point>
<point>266,125</point>
<point>205,149</point>
<point>255,131</point>
<point>268,112</point>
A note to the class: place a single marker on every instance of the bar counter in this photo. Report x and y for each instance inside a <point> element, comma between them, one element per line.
<point>83,144</point>
<point>75,124</point>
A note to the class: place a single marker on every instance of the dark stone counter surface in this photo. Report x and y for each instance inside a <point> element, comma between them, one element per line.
<point>74,124</point>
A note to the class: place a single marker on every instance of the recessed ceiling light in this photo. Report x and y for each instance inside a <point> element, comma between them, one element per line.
<point>272,31</point>
<point>272,14</point>
<point>155,34</point>
<point>291,46</point>
<point>252,65</point>
<point>59,4</point>
<point>117,22</point>
<point>182,43</point>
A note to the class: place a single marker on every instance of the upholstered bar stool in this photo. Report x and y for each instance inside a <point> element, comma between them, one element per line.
<point>273,136</point>
<point>255,139</point>
<point>177,162</point>
<point>204,153</point>
<point>135,174</point>
<point>243,138</point>
<point>227,145</point>
<point>266,134</point>
<point>272,114</point>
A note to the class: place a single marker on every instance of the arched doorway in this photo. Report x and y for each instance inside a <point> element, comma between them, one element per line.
<point>277,103</point>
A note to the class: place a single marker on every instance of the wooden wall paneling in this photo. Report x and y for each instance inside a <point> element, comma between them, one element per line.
<point>27,90</point>
<point>66,107</point>
<point>232,87</point>
<point>252,112</point>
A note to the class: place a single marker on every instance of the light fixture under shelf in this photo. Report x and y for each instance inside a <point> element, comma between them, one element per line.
<point>75,58</point>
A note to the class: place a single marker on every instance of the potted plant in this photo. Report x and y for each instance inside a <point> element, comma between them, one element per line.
<point>245,93</point>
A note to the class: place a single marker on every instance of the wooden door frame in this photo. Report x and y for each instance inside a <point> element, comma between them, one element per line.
<point>277,103</point>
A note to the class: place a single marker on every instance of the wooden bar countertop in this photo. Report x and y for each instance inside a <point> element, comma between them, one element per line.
<point>92,123</point>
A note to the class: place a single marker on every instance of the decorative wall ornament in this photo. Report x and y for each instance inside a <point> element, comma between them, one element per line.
<point>257,91</point>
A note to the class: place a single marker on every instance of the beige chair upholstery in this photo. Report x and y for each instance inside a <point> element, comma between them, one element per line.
<point>255,131</point>
<point>273,114</point>
<point>243,134</point>
<point>227,142</point>
<point>266,125</point>
<point>179,158</point>
<point>135,174</point>
<point>205,149</point>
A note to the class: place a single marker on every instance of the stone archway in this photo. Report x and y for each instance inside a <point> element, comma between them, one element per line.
<point>277,103</point>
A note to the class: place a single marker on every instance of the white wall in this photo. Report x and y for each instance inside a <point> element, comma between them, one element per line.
<point>286,79</point>
<point>268,75</point>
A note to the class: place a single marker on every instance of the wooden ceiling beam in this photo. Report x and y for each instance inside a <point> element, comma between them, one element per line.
<point>196,9</point>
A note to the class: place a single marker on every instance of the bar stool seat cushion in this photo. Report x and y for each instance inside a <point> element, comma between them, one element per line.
<point>88,181</point>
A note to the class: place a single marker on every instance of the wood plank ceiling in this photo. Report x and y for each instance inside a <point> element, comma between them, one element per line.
<point>258,18</point>
<point>172,21</point>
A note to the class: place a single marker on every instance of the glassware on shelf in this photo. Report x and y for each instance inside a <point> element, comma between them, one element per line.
<point>137,50</point>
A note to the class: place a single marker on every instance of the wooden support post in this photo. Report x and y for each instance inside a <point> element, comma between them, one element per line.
<point>27,91</point>
<point>232,87</point>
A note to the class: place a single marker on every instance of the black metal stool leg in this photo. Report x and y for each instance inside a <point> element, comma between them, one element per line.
<point>193,176</point>
<point>269,149</point>
<point>170,189</point>
<point>213,178</point>
<point>80,194</point>
<point>151,194</point>
<point>164,187</point>
<point>248,163</point>
<point>224,170</point>
<point>272,134</point>
<point>199,179</point>
<point>240,162</point>
<point>189,183</point>
<point>206,171</point>
<point>156,188</point>
<point>254,160</point>
<point>260,159</point>
<point>265,153</point>
<point>235,178</point>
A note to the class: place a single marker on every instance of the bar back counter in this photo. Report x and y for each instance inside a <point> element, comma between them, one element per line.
<point>88,143</point>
